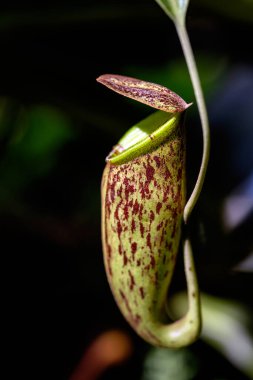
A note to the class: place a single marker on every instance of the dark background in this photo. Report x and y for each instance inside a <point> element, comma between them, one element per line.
<point>56,127</point>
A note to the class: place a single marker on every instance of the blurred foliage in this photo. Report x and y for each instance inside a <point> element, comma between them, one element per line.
<point>164,364</point>
<point>57,126</point>
<point>30,152</point>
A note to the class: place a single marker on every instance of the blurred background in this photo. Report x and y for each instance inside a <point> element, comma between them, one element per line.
<point>56,127</point>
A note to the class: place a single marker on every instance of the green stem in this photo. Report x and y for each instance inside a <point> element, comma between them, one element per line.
<point>192,67</point>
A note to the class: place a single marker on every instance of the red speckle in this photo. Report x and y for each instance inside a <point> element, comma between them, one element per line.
<point>159,226</point>
<point>132,282</point>
<point>133,225</point>
<point>149,240</point>
<point>140,212</point>
<point>152,261</point>
<point>158,207</point>
<point>125,301</point>
<point>136,207</point>
<point>119,191</point>
<point>167,173</point>
<point>125,259</point>
<point>126,213</point>
<point>150,171</point>
<point>158,161</point>
<point>166,194</point>
<point>141,229</point>
<point>173,231</point>
<point>111,188</point>
<point>142,292</point>
<point>133,247</point>
<point>116,213</point>
<point>119,228</point>
<point>152,216</point>
<point>120,250</point>
<point>129,189</point>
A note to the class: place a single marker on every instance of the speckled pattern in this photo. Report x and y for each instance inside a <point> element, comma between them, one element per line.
<point>142,207</point>
<point>152,94</point>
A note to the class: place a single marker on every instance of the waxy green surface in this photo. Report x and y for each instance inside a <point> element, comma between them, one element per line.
<point>142,203</point>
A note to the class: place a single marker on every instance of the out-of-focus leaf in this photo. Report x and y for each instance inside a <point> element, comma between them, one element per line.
<point>164,364</point>
<point>33,148</point>
<point>46,131</point>
<point>239,10</point>
<point>73,14</point>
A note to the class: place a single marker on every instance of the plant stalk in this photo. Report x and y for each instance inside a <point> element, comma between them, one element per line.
<point>192,67</point>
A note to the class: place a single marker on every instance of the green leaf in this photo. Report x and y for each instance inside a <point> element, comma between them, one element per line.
<point>175,9</point>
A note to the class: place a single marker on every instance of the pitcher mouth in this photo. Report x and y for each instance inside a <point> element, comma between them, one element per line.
<point>144,137</point>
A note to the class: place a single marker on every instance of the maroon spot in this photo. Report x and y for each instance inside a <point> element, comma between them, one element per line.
<point>111,188</point>
<point>116,213</point>
<point>152,216</point>
<point>125,301</point>
<point>129,189</point>
<point>150,171</point>
<point>126,213</point>
<point>149,240</point>
<point>125,259</point>
<point>119,228</point>
<point>166,194</point>
<point>120,250</point>
<point>142,292</point>
<point>152,261</point>
<point>140,212</point>
<point>136,208</point>
<point>141,229</point>
<point>173,231</point>
<point>134,247</point>
<point>133,226</point>
<point>158,207</point>
<point>158,161</point>
<point>119,191</point>
<point>167,174</point>
<point>159,226</point>
<point>138,262</point>
<point>132,282</point>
